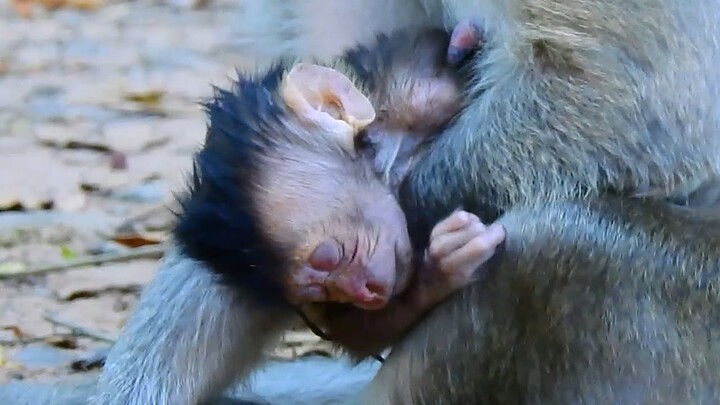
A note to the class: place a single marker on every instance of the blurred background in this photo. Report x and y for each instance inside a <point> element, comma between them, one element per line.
<point>99,117</point>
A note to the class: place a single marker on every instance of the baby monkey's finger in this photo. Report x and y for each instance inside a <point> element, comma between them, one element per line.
<point>457,220</point>
<point>474,253</point>
<point>445,244</point>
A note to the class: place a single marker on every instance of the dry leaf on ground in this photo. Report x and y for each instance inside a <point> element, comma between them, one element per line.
<point>15,331</point>
<point>76,4</point>
<point>148,98</point>
<point>138,240</point>
<point>22,7</point>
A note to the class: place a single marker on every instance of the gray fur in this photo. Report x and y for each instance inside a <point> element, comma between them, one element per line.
<point>583,306</point>
<point>592,301</point>
<point>189,339</point>
<point>625,97</point>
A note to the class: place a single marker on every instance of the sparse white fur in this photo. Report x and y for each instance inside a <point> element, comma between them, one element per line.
<point>190,338</point>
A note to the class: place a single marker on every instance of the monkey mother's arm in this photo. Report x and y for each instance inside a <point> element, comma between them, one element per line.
<point>580,291</point>
<point>189,338</point>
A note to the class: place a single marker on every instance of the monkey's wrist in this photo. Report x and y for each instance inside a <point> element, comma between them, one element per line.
<point>426,293</point>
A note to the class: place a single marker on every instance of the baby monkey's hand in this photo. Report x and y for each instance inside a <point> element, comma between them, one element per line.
<point>459,246</point>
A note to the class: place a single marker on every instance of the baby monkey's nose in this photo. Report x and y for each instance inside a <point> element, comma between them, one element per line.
<point>355,287</point>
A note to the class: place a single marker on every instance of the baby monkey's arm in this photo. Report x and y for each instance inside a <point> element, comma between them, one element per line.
<point>459,246</point>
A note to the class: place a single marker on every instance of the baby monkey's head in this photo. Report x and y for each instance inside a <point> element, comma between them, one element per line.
<point>287,182</point>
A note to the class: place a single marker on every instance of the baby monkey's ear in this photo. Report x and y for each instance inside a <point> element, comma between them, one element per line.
<point>327,99</point>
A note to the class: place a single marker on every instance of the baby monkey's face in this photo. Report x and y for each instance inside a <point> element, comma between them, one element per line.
<point>323,199</point>
<point>322,203</point>
<point>344,233</point>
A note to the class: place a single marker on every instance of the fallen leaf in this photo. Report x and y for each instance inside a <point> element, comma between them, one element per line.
<point>10,204</point>
<point>67,253</point>
<point>148,98</point>
<point>191,4</point>
<point>90,360</point>
<point>11,267</point>
<point>22,7</point>
<point>76,4</point>
<point>62,342</point>
<point>28,204</point>
<point>137,240</point>
<point>15,330</point>
<point>84,4</point>
<point>68,136</point>
<point>51,4</point>
<point>80,294</point>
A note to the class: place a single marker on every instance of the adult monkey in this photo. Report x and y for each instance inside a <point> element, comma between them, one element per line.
<point>579,101</point>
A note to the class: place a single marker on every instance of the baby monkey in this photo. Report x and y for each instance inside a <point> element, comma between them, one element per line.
<point>287,212</point>
<point>297,182</point>
<point>413,91</point>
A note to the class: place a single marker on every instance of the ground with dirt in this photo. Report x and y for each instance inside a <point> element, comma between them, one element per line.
<point>99,118</point>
